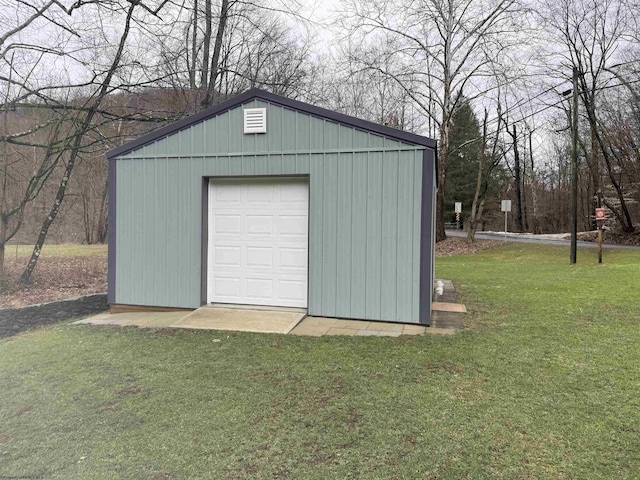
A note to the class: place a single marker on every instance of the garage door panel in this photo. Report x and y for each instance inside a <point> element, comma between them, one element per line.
<point>296,193</point>
<point>259,288</point>
<point>227,194</point>
<point>292,224</point>
<point>259,224</point>
<point>227,287</point>
<point>292,290</point>
<point>258,243</point>
<point>259,257</point>
<point>293,257</point>
<point>260,193</point>
<point>227,255</point>
<point>227,223</point>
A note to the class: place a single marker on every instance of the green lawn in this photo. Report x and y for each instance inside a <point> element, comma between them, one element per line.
<point>544,384</point>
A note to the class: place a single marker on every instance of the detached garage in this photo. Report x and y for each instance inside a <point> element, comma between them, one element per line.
<point>263,200</point>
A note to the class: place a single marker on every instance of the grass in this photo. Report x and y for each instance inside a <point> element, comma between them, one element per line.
<point>62,250</point>
<point>544,384</point>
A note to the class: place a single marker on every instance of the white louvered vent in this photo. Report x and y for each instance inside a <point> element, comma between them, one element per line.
<point>255,120</point>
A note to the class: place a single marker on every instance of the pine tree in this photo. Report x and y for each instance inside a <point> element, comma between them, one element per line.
<point>464,155</point>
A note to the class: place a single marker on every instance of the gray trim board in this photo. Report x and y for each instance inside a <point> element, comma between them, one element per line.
<point>256,93</point>
<point>111,225</point>
<point>426,236</point>
<point>204,251</point>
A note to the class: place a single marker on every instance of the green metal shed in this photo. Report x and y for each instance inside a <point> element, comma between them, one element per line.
<point>264,200</point>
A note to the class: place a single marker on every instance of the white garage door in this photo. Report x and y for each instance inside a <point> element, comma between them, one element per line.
<point>258,238</point>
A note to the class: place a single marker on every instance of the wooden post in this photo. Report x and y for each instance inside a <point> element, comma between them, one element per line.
<point>600,225</point>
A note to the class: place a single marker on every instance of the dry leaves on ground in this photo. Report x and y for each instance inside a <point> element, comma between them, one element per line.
<point>55,278</point>
<point>459,246</point>
<point>611,237</point>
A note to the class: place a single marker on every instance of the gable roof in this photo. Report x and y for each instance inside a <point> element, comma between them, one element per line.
<point>256,93</point>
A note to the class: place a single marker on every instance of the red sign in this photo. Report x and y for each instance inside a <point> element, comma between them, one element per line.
<point>600,215</point>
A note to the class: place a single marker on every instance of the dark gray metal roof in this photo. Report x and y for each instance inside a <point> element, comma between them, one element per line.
<point>258,94</point>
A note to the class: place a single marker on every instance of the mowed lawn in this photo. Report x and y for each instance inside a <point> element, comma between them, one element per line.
<point>545,383</point>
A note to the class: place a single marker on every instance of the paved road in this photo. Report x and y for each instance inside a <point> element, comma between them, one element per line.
<point>532,239</point>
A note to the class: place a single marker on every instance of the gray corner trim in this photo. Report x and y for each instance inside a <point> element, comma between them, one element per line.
<point>204,249</point>
<point>111,225</point>
<point>426,236</point>
<point>257,94</point>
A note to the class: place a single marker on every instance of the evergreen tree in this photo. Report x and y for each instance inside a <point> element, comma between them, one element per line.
<point>464,155</point>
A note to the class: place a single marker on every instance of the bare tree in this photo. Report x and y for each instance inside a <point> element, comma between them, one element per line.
<point>446,46</point>
<point>591,32</point>
<point>490,157</point>
<point>90,109</point>
<point>31,126</point>
<point>517,174</point>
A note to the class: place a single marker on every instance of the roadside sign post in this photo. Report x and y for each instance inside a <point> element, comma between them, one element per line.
<point>601,216</point>
<point>506,208</point>
<point>458,210</point>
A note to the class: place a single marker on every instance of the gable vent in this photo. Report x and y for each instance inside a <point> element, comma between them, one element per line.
<point>255,120</point>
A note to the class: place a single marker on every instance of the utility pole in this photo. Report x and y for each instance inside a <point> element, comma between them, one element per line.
<point>574,169</point>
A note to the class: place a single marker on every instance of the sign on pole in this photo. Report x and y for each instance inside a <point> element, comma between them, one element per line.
<point>458,209</point>
<point>506,208</point>
<point>600,214</point>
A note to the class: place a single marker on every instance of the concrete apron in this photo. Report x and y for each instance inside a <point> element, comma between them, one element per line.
<point>207,318</point>
<point>447,318</point>
<point>260,321</point>
<point>241,320</point>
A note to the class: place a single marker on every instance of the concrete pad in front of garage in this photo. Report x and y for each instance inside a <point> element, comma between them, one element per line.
<point>137,319</point>
<point>319,326</point>
<point>241,320</point>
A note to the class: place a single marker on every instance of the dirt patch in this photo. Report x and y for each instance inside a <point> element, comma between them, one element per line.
<point>130,390</point>
<point>22,411</point>
<point>460,246</point>
<point>107,407</point>
<point>55,278</point>
<point>5,438</point>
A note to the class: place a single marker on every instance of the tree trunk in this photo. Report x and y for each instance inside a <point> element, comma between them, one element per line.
<point>192,62</point>
<point>75,150</point>
<point>206,45</point>
<point>217,48</point>
<point>475,210</point>
<point>62,188</point>
<point>523,187</point>
<point>534,184</point>
<point>516,173</point>
<point>440,233</point>
<point>86,219</point>
<point>102,229</point>
<point>3,278</point>
<point>624,217</point>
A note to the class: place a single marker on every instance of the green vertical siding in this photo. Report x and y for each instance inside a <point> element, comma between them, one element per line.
<point>365,201</point>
